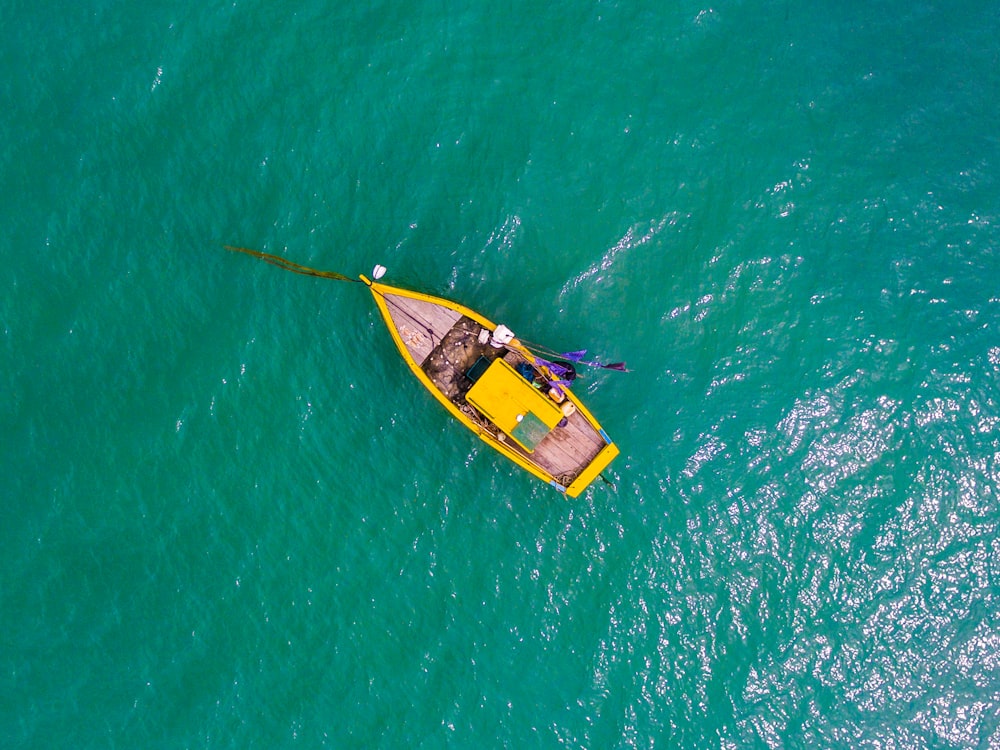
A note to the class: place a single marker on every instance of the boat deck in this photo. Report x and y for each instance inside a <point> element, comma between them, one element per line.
<point>446,345</point>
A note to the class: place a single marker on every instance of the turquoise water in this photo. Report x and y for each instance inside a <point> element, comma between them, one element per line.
<point>231,517</point>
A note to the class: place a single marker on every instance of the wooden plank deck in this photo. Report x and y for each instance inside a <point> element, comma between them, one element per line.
<point>566,451</point>
<point>421,325</point>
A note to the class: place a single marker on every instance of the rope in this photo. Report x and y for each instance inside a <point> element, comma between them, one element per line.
<point>288,265</point>
<point>539,349</point>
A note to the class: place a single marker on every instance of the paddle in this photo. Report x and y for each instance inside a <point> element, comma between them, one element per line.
<point>288,265</point>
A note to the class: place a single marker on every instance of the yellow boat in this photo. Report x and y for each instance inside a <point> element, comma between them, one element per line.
<point>494,385</point>
<point>516,401</point>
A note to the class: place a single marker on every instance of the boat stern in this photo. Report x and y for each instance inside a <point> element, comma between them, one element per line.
<point>593,470</point>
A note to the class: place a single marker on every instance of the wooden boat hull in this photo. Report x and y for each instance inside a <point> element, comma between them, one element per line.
<point>443,344</point>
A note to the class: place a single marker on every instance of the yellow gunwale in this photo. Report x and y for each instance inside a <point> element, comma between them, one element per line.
<point>589,473</point>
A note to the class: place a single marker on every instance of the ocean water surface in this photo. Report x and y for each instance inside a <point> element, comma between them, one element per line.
<point>233,519</point>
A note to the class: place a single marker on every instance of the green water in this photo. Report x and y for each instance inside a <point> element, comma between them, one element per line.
<point>232,519</point>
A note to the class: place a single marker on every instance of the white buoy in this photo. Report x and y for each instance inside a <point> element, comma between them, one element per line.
<point>378,272</point>
<point>501,337</point>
